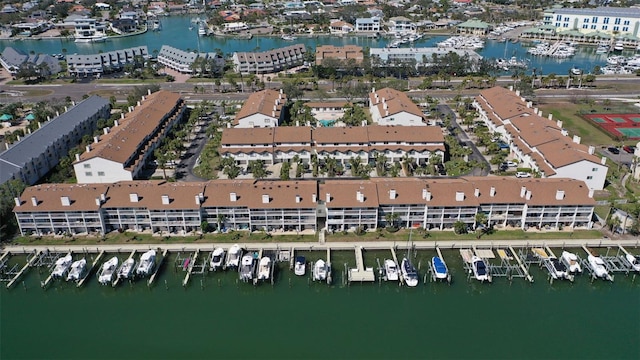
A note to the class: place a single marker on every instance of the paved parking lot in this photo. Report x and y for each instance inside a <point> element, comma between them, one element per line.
<point>622,158</point>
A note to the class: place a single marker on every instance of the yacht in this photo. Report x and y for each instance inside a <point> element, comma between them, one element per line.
<point>77,270</point>
<point>217,259</point>
<point>156,25</point>
<point>320,270</point>
<point>202,29</point>
<point>288,37</point>
<point>391,270</point>
<point>634,261</point>
<point>559,270</point>
<point>246,268</point>
<point>108,271</point>
<point>480,271</point>
<point>235,253</point>
<point>576,71</point>
<point>570,260</point>
<point>409,273</point>
<point>147,263</point>
<point>598,267</point>
<point>439,268</point>
<point>300,266</point>
<point>126,270</point>
<point>619,46</point>
<point>264,268</point>
<point>62,266</point>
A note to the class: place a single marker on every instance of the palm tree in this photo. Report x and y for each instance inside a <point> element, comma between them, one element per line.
<point>381,162</point>
<point>391,219</point>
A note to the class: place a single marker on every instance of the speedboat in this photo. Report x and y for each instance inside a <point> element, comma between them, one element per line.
<point>107,271</point>
<point>235,253</point>
<point>320,270</point>
<point>576,71</point>
<point>391,270</point>
<point>559,270</point>
<point>62,266</point>
<point>409,273</point>
<point>288,37</point>
<point>264,268</point>
<point>77,270</point>
<point>570,260</point>
<point>439,268</point>
<point>217,259</point>
<point>634,261</point>
<point>301,266</point>
<point>126,270</point>
<point>147,263</point>
<point>598,267</point>
<point>619,46</point>
<point>479,269</point>
<point>246,268</point>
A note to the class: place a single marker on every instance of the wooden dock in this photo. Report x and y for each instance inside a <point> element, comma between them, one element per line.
<point>117,280</point>
<point>48,280</point>
<point>395,259</point>
<point>329,277</point>
<point>192,263</point>
<point>24,268</point>
<point>88,272</point>
<point>153,277</point>
<point>6,254</point>
<point>360,273</point>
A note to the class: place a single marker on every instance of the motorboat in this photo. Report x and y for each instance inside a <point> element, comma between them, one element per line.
<point>634,261</point>
<point>126,270</point>
<point>576,71</point>
<point>77,270</point>
<point>300,266</point>
<point>264,268</point>
<point>147,263</point>
<point>409,273</point>
<point>233,259</point>
<point>288,37</point>
<point>202,29</point>
<point>570,260</point>
<point>246,268</point>
<point>599,269</point>
<point>559,269</point>
<point>62,266</point>
<point>320,270</point>
<point>480,271</point>
<point>619,46</point>
<point>108,271</point>
<point>217,259</point>
<point>391,270</point>
<point>439,268</point>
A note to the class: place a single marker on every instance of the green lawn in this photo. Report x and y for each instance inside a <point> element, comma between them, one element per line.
<point>130,81</point>
<point>575,124</point>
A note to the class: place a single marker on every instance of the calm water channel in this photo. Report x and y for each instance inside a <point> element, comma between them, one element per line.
<point>215,317</point>
<point>175,32</point>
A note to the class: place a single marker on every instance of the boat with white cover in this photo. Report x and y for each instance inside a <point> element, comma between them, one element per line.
<point>108,271</point>
<point>300,266</point>
<point>217,259</point>
<point>570,260</point>
<point>480,271</point>
<point>599,269</point>
<point>126,270</point>
<point>409,273</point>
<point>320,270</point>
<point>439,268</point>
<point>62,266</point>
<point>233,258</point>
<point>147,263</point>
<point>246,268</point>
<point>77,270</point>
<point>264,268</point>
<point>634,261</point>
<point>391,270</point>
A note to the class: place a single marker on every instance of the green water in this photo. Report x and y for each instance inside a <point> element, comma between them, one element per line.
<point>214,317</point>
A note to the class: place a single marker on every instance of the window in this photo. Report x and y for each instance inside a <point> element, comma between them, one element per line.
<point>594,169</point>
<point>604,27</point>
<point>557,24</point>
<point>589,177</point>
<point>88,173</point>
<point>566,18</point>
<point>594,19</point>
<point>100,173</point>
<point>626,22</point>
<point>626,28</point>
<point>593,27</point>
<point>586,21</point>
<point>616,28</point>
<point>617,21</point>
<point>606,20</point>
<point>559,18</point>
<point>87,166</point>
<point>585,26</point>
<point>565,25</point>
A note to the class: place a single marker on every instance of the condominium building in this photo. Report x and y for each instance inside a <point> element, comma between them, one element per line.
<point>623,22</point>
<point>341,53</point>
<point>122,151</point>
<point>94,64</point>
<point>36,154</point>
<point>392,107</point>
<point>182,61</point>
<point>262,109</point>
<point>14,59</point>
<point>420,57</point>
<point>269,61</point>
<point>334,205</point>
<point>537,142</point>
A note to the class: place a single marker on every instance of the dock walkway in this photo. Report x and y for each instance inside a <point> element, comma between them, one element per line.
<point>360,273</point>
<point>88,272</point>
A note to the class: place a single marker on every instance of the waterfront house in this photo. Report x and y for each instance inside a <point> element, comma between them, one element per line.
<point>473,27</point>
<point>340,28</point>
<point>368,25</point>
<point>392,107</point>
<point>262,109</point>
<point>401,25</point>
<point>36,154</point>
<point>270,61</point>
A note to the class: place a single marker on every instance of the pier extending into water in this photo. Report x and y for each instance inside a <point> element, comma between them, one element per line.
<point>30,261</point>
<point>360,273</point>
<point>158,265</point>
<point>88,271</point>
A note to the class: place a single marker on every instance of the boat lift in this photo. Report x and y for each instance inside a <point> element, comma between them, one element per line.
<point>586,265</point>
<point>617,263</point>
<point>431,272</point>
<point>626,262</point>
<point>7,273</point>
<point>117,280</point>
<point>88,271</point>
<point>158,265</point>
<point>542,256</point>
<point>31,259</point>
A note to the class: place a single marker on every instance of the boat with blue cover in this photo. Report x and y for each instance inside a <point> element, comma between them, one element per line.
<point>439,268</point>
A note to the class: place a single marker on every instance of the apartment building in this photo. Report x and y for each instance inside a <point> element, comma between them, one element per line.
<point>36,154</point>
<point>182,61</point>
<point>122,151</point>
<point>334,205</point>
<point>112,61</point>
<point>421,57</point>
<point>269,61</point>
<point>539,143</point>
<point>14,59</point>
<point>341,53</point>
<point>392,107</point>
<point>622,22</point>
<point>262,109</point>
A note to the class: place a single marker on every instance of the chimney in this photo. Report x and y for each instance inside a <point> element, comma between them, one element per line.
<point>550,116</point>
<point>103,198</point>
<point>328,198</point>
<point>360,196</point>
<point>28,130</point>
<point>200,198</point>
<point>228,125</point>
<point>314,198</point>
<point>265,199</point>
<point>77,157</point>
<point>392,194</point>
<point>576,139</point>
<point>426,194</point>
<point>148,91</point>
<point>603,161</point>
<point>133,197</point>
<point>138,103</point>
<point>492,191</point>
<point>34,201</point>
<point>19,138</point>
<point>121,117</point>
<point>517,92</point>
<point>476,193</point>
<point>73,103</point>
<point>233,197</point>
<point>65,201</point>
<point>116,123</point>
<point>459,196</point>
<point>40,124</point>
<point>98,203</point>
<point>57,113</point>
<point>105,130</point>
<point>511,88</point>
<point>197,200</point>
<point>523,191</point>
<point>65,108</point>
<point>95,139</point>
<point>142,98</point>
<point>298,199</point>
<point>273,113</point>
<point>281,92</point>
<point>373,90</point>
<point>540,113</point>
<point>88,148</point>
<point>592,149</point>
<point>275,108</point>
<point>559,123</point>
<point>591,191</point>
<point>17,201</point>
<point>165,199</point>
<point>297,123</point>
<point>559,195</point>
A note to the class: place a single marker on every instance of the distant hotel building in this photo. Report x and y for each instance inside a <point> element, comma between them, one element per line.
<point>342,53</point>
<point>35,155</point>
<point>623,22</point>
<point>269,61</point>
<point>112,61</point>
<point>182,61</point>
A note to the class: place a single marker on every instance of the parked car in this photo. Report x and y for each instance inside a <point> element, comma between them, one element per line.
<point>510,163</point>
<point>629,149</point>
<point>522,174</point>
<point>613,150</point>
<point>504,167</point>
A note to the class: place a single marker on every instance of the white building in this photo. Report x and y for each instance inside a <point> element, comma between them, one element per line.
<point>89,30</point>
<point>368,25</point>
<point>392,107</point>
<point>269,61</point>
<point>401,25</point>
<point>182,61</point>
<point>619,21</point>
<point>421,57</point>
<point>261,109</point>
<point>111,61</point>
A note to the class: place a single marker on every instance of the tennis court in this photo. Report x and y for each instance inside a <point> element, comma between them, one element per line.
<point>618,125</point>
